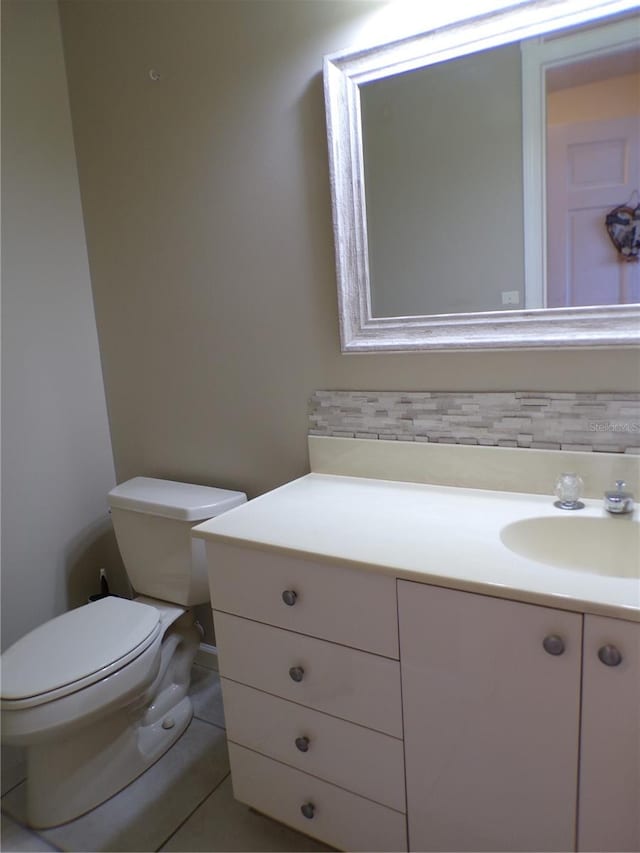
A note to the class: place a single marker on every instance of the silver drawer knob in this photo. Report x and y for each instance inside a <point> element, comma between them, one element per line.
<point>553,644</point>
<point>308,810</point>
<point>296,673</point>
<point>290,596</point>
<point>302,743</point>
<point>609,655</point>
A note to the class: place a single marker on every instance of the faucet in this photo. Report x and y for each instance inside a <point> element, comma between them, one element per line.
<point>618,501</point>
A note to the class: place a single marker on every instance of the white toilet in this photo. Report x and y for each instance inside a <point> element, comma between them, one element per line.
<point>98,694</point>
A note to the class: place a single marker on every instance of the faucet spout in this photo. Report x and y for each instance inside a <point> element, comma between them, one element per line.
<point>618,501</point>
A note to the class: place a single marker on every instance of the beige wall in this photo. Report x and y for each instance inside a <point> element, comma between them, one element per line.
<point>207,211</point>
<point>56,454</point>
<point>616,97</point>
<point>443,177</point>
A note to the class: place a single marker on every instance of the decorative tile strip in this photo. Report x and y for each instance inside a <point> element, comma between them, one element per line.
<point>586,421</point>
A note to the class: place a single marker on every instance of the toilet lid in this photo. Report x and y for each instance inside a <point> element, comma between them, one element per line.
<point>76,645</point>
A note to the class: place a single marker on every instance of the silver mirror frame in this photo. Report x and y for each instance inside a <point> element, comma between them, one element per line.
<point>344,73</point>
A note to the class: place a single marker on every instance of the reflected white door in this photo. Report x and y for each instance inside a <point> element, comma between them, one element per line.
<point>592,167</point>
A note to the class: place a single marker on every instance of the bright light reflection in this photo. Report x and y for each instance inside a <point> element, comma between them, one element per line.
<point>401,18</point>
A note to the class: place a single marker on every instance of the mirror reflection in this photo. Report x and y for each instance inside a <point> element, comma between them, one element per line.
<point>446,161</point>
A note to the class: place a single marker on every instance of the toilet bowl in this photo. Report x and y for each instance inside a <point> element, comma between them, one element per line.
<point>100,693</point>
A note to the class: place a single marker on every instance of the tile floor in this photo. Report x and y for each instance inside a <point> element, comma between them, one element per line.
<point>184,802</point>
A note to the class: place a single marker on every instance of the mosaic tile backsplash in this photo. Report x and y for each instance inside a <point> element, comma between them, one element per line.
<point>584,421</point>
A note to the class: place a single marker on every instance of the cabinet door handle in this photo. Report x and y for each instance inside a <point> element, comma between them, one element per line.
<point>296,673</point>
<point>553,644</point>
<point>302,743</point>
<point>308,810</point>
<point>610,655</point>
<point>290,596</point>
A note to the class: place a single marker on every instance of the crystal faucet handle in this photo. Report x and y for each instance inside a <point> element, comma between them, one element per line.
<point>568,491</point>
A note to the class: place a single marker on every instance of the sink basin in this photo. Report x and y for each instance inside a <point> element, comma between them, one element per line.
<point>604,546</point>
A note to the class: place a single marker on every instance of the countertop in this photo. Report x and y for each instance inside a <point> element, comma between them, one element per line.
<point>442,535</point>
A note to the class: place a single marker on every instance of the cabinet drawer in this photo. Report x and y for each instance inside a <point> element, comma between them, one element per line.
<point>347,683</point>
<point>332,602</point>
<point>358,759</point>
<point>340,818</point>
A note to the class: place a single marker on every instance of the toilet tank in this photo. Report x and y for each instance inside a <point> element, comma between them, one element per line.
<point>152,520</point>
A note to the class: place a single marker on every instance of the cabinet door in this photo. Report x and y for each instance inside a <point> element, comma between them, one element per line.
<point>491,721</point>
<point>609,805</point>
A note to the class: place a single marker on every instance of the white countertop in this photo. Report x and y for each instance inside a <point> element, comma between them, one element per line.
<point>436,534</point>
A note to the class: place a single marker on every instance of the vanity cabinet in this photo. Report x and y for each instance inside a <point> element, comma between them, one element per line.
<point>609,802</point>
<point>513,724</point>
<point>308,658</point>
<point>491,721</point>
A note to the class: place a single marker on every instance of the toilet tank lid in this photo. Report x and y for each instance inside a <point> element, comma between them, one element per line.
<point>181,501</point>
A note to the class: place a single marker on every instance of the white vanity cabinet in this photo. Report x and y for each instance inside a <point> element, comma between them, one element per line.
<point>491,721</point>
<point>375,712</point>
<point>308,657</point>
<point>609,802</point>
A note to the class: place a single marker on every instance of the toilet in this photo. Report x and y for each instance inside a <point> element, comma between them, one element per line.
<point>100,693</point>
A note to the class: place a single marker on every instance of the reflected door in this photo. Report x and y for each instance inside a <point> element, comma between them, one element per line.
<point>592,167</point>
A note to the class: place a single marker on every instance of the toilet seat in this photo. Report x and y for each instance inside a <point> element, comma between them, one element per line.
<point>76,650</point>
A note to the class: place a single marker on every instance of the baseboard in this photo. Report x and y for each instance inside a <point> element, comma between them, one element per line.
<point>207,656</point>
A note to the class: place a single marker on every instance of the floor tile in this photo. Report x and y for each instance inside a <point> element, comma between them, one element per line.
<point>14,767</point>
<point>148,810</point>
<point>223,824</point>
<point>16,839</point>
<point>206,695</point>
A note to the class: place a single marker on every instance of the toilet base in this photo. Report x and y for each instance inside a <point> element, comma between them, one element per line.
<point>80,768</point>
<point>70,777</point>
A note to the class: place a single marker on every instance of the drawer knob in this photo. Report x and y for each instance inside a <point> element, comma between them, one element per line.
<point>290,596</point>
<point>308,810</point>
<point>302,743</point>
<point>553,644</point>
<point>296,673</point>
<point>609,655</point>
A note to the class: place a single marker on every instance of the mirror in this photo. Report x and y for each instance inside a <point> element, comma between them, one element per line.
<point>441,240</point>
